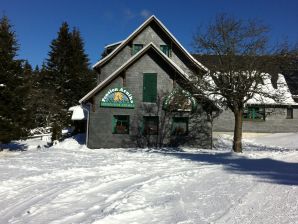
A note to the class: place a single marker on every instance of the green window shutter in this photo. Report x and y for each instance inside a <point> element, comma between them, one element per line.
<point>149,87</point>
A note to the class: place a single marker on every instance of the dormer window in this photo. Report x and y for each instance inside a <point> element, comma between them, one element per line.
<point>166,49</point>
<point>136,48</point>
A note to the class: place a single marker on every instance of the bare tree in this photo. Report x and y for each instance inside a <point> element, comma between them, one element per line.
<point>236,74</point>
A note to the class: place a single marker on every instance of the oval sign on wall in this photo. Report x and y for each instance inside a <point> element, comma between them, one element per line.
<point>117,97</point>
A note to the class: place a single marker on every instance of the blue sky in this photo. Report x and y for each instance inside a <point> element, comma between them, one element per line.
<point>101,22</point>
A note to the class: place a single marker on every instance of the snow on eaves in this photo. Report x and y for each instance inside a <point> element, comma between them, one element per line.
<point>78,113</point>
<point>113,44</point>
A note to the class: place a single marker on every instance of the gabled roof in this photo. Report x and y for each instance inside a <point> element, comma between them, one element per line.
<point>137,31</point>
<point>131,61</point>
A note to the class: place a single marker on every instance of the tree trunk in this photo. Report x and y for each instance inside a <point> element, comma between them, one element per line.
<point>237,144</point>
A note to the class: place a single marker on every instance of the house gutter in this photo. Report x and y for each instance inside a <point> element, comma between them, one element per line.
<point>84,107</point>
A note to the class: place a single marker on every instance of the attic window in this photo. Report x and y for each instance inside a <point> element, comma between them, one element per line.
<point>136,48</point>
<point>166,50</point>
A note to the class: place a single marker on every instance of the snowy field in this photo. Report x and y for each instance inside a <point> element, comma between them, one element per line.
<point>69,183</point>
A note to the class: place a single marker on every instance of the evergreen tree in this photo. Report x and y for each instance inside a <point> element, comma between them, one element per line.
<point>44,99</point>
<point>12,104</point>
<point>67,72</point>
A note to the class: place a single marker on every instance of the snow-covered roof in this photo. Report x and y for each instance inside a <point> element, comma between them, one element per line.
<point>282,93</point>
<point>280,96</point>
<point>78,113</point>
<point>139,29</point>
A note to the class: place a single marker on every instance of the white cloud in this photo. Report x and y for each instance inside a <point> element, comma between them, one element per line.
<point>145,13</point>
<point>129,14</point>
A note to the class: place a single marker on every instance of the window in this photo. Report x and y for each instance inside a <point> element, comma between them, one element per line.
<point>289,113</point>
<point>166,50</point>
<point>151,125</point>
<point>136,48</point>
<point>120,124</point>
<point>254,113</point>
<point>149,87</point>
<point>180,126</point>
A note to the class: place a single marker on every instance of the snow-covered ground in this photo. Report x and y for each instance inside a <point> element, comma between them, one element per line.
<point>69,183</point>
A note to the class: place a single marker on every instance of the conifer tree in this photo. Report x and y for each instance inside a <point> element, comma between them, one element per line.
<point>12,104</point>
<point>68,72</point>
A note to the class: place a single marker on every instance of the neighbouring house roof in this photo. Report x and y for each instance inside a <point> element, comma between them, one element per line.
<point>109,48</point>
<point>271,64</point>
<point>279,92</point>
<point>137,31</point>
<point>268,88</point>
<point>78,113</point>
<point>114,44</point>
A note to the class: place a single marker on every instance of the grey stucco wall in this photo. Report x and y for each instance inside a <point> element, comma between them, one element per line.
<point>100,121</point>
<point>275,122</point>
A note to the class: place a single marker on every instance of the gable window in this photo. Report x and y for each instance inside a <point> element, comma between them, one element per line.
<point>150,125</point>
<point>289,113</point>
<point>149,87</point>
<point>120,124</point>
<point>166,50</point>
<point>179,126</point>
<point>254,113</point>
<point>136,48</point>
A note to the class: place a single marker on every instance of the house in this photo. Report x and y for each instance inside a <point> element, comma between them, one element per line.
<point>264,115</point>
<point>144,96</point>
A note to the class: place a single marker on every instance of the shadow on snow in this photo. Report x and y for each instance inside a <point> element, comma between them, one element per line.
<point>14,146</point>
<point>266,169</point>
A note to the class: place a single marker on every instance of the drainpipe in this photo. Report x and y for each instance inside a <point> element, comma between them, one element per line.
<point>85,108</point>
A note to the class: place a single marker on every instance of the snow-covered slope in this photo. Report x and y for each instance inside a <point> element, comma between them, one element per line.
<point>69,183</point>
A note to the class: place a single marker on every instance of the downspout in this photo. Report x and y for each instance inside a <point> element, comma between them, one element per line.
<point>87,127</point>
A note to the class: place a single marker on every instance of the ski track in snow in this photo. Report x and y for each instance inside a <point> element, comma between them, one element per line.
<point>78,185</point>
